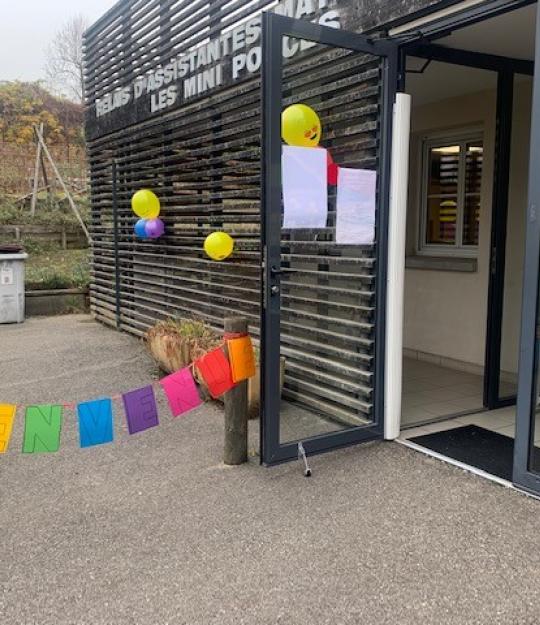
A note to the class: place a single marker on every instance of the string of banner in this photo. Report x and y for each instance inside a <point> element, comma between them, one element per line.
<point>43,422</point>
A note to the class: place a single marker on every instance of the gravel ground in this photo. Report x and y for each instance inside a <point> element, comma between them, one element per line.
<point>154,530</point>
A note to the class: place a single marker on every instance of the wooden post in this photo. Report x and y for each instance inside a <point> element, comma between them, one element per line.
<point>236,407</point>
<point>36,174</point>
<point>63,185</point>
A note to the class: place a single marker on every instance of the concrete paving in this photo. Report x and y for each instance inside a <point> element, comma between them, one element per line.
<point>153,530</point>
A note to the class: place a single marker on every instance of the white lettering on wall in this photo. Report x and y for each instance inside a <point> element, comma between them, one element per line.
<point>203,69</point>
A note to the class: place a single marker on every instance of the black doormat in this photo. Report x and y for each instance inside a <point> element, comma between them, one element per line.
<point>490,451</point>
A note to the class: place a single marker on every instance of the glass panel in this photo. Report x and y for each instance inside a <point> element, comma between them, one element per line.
<point>534,441</point>
<point>515,236</point>
<point>327,238</point>
<point>441,221</point>
<point>471,219</point>
<point>443,170</point>
<point>474,156</point>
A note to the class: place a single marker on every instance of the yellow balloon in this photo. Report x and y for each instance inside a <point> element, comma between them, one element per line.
<point>219,245</point>
<point>301,126</point>
<point>145,204</point>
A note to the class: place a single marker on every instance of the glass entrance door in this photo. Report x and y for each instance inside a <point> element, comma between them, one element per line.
<point>325,209</point>
<point>527,445</point>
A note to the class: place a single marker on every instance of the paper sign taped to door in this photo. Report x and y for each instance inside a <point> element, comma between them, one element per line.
<point>355,206</point>
<point>305,192</point>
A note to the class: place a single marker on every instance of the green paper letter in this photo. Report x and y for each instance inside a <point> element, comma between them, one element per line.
<point>42,429</point>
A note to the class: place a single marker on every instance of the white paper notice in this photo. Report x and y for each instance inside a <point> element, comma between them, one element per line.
<point>355,206</point>
<point>305,192</point>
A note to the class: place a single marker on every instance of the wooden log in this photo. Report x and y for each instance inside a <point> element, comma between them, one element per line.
<point>236,407</point>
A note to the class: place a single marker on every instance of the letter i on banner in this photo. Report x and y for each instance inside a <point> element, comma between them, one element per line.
<point>7,417</point>
<point>181,392</point>
<point>95,422</point>
<point>42,427</point>
<point>216,371</point>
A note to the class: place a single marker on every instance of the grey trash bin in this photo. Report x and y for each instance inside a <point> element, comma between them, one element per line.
<point>12,259</point>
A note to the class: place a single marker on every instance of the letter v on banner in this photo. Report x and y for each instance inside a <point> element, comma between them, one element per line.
<point>95,422</point>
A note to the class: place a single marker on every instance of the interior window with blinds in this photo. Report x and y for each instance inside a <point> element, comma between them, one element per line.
<point>452,180</point>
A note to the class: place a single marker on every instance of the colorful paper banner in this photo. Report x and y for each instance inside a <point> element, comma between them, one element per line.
<point>42,427</point>
<point>141,409</point>
<point>7,417</point>
<point>216,371</point>
<point>181,392</point>
<point>95,422</point>
<point>241,358</point>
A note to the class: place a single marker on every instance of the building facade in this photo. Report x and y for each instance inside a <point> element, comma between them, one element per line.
<point>427,323</point>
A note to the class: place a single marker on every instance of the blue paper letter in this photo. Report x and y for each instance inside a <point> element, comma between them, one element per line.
<point>95,422</point>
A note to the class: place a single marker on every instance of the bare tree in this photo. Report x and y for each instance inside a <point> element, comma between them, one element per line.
<point>64,66</point>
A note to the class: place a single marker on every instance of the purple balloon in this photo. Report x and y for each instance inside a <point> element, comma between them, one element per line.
<point>154,228</point>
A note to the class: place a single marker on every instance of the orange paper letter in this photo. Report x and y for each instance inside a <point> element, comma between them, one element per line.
<point>7,417</point>
<point>242,358</point>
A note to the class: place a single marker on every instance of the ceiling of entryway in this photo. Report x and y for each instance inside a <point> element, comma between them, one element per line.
<point>510,35</point>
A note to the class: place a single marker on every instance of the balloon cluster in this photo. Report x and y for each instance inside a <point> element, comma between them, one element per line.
<point>301,127</point>
<point>146,205</point>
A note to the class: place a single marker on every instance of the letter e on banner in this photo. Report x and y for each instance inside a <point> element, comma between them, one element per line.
<point>181,392</point>
<point>141,409</point>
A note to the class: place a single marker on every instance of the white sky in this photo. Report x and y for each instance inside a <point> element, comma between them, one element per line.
<point>27,27</point>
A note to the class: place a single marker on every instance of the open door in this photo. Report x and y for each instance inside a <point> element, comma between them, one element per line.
<point>527,445</point>
<point>324,261</point>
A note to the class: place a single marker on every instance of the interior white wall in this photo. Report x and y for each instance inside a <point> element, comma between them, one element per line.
<point>446,311</point>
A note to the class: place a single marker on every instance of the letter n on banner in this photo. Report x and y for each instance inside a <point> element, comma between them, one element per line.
<point>42,426</point>
<point>216,371</point>
<point>7,417</point>
<point>95,422</point>
<point>141,409</point>
<point>181,392</point>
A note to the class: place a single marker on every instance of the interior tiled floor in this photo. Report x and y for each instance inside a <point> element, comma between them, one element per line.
<point>431,392</point>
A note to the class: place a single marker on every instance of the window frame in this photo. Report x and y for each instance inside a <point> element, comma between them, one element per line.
<point>427,141</point>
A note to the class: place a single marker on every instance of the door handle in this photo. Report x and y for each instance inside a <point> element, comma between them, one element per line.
<point>275,271</point>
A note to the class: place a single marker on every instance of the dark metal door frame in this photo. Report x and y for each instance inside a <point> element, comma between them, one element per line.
<point>274,28</point>
<point>529,361</point>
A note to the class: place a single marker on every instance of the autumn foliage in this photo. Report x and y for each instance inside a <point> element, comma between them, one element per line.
<point>23,105</point>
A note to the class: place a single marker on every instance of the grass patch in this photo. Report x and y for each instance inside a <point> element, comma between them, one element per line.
<point>49,211</point>
<point>48,267</point>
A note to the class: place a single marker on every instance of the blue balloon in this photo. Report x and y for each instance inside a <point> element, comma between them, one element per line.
<point>140,229</point>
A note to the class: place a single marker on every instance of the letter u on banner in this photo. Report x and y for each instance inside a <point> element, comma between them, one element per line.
<point>216,371</point>
<point>42,427</point>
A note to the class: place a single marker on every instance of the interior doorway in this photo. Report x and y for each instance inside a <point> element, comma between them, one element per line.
<point>467,205</point>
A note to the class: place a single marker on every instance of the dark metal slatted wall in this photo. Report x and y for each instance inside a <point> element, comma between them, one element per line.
<point>202,158</point>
